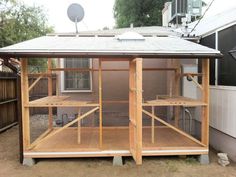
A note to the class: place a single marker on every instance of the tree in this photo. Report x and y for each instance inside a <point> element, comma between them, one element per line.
<point>138,12</point>
<point>19,22</point>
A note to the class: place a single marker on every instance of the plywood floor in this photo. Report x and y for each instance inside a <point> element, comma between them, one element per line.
<point>114,138</point>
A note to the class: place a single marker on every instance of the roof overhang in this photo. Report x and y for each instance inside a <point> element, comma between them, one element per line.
<point>108,47</point>
<point>100,54</point>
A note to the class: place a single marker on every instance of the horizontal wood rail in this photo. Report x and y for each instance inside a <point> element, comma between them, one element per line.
<point>39,74</point>
<point>172,127</point>
<point>87,69</point>
<point>115,101</point>
<point>64,127</point>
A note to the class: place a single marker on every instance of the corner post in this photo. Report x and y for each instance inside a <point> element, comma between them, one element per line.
<point>25,102</point>
<point>205,99</point>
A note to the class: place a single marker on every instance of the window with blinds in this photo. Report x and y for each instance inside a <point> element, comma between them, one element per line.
<point>77,80</point>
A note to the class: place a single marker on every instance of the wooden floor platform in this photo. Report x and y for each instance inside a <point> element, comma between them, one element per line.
<point>60,101</point>
<point>115,141</point>
<point>174,101</point>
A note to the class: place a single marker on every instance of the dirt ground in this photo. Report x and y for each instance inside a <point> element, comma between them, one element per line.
<point>152,166</point>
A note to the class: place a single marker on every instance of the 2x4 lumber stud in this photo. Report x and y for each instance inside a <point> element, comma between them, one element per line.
<point>205,99</point>
<point>138,82</point>
<point>100,102</point>
<point>131,106</point>
<point>153,124</point>
<point>50,113</point>
<point>112,69</point>
<point>79,127</point>
<point>176,64</point>
<point>25,101</point>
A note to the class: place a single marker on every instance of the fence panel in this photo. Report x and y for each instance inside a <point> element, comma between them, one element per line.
<point>8,100</point>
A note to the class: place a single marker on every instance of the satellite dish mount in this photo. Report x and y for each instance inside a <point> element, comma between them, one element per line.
<point>75,13</point>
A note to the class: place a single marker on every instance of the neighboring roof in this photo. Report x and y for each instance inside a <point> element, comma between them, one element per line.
<point>150,47</point>
<point>145,31</point>
<point>210,24</point>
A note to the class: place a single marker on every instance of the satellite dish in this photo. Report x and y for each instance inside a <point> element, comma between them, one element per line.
<point>75,13</point>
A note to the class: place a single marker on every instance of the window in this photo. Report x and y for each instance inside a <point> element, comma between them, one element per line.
<point>222,71</point>
<point>76,81</point>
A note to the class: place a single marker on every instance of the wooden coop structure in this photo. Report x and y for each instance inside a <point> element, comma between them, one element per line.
<point>134,140</point>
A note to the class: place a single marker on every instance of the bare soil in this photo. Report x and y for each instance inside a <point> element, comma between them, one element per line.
<point>152,166</point>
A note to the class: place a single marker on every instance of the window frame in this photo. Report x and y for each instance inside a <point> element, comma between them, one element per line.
<point>63,90</point>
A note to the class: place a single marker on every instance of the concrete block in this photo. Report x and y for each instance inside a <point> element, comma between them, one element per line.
<point>29,162</point>
<point>204,159</point>
<point>117,161</point>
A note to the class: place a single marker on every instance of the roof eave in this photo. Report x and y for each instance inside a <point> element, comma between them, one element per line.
<point>107,55</point>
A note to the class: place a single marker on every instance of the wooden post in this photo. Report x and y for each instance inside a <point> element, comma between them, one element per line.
<point>135,109</point>
<point>205,99</point>
<point>58,77</point>
<point>19,116</point>
<point>100,102</point>
<point>153,124</point>
<point>25,101</point>
<point>50,113</point>
<point>131,106</point>
<point>139,96</point>
<point>79,127</point>
<point>177,90</point>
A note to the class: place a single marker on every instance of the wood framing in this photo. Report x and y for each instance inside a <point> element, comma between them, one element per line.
<point>100,102</point>
<point>205,99</point>
<point>135,139</point>
<point>25,101</point>
<point>50,113</point>
<point>135,108</point>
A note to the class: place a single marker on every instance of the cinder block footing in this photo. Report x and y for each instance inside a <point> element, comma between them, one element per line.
<point>204,159</point>
<point>29,162</point>
<point>118,161</point>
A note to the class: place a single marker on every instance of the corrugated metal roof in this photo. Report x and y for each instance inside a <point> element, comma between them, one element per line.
<point>108,46</point>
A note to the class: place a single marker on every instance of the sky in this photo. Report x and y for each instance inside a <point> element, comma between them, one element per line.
<point>99,13</point>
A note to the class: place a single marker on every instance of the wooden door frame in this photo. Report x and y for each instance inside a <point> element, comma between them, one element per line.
<point>135,109</point>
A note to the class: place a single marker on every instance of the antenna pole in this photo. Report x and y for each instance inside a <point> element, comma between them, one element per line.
<point>76,27</point>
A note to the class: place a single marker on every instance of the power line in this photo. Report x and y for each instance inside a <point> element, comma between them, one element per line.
<point>202,16</point>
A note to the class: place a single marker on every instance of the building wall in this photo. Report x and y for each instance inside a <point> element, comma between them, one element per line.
<point>222,98</point>
<point>116,87</point>
<point>219,140</point>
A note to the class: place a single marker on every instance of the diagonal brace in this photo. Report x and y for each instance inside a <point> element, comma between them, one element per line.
<point>35,82</point>
<point>172,127</point>
<point>66,126</point>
